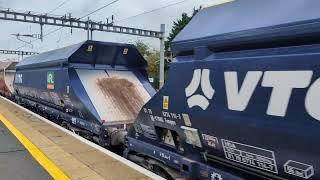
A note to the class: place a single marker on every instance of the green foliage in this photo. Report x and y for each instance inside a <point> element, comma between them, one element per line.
<point>179,24</point>
<point>153,58</point>
<point>143,48</point>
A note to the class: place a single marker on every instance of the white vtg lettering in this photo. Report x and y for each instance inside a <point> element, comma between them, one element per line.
<point>282,84</point>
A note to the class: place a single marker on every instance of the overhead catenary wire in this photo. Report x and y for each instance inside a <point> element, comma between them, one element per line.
<point>59,6</point>
<point>51,11</point>
<point>140,14</point>
<point>130,40</point>
<point>54,9</point>
<point>153,10</point>
<point>99,9</point>
<point>92,12</point>
<point>34,12</point>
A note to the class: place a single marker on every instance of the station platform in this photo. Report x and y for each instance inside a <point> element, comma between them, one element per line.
<point>32,147</point>
<point>15,160</point>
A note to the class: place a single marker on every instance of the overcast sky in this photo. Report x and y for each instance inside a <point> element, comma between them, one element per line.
<point>121,10</point>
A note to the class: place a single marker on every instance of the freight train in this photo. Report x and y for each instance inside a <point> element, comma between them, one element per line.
<point>243,96</point>
<point>7,72</point>
<point>94,89</point>
<point>241,101</point>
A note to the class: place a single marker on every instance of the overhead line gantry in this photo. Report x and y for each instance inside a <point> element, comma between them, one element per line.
<point>68,21</point>
<point>88,25</point>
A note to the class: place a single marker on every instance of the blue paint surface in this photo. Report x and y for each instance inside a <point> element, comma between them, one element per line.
<point>242,36</point>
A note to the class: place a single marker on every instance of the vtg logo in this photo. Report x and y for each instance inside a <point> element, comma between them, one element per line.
<point>239,95</point>
<point>200,77</point>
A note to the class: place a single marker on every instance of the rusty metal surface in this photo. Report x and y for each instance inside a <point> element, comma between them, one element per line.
<point>117,96</point>
<point>6,78</point>
<point>124,94</point>
<point>3,87</point>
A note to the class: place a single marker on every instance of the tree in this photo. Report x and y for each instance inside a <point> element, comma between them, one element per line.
<point>153,68</point>
<point>178,25</point>
<point>153,58</point>
<point>153,64</point>
<point>143,48</point>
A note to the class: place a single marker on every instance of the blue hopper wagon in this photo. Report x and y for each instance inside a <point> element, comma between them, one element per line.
<point>7,72</point>
<point>93,88</point>
<point>243,96</point>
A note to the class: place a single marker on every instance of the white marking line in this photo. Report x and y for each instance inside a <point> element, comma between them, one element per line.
<point>303,175</point>
<point>272,153</point>
<point>105,151</point>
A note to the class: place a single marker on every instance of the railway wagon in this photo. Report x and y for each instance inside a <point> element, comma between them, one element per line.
<point>92,88</point>
<point>7,72</point>
<point>242,99</point>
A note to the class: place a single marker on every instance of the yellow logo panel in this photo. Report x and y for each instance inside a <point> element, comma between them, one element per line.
<point>166,102</point>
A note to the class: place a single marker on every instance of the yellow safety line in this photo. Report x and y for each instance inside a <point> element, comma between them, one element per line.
<point>219,3</point>
<point>45,162</point>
